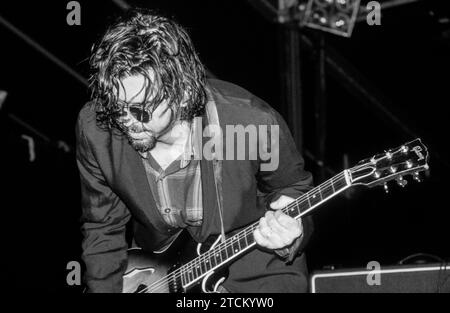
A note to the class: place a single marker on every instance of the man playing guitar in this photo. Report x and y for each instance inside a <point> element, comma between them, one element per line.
<point>141,146</point>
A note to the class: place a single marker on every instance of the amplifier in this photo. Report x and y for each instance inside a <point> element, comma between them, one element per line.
<point>423,278</point>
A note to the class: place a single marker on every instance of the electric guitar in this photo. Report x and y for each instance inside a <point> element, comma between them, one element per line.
<point>151,273</point>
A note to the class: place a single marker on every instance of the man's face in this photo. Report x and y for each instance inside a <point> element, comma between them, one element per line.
<point>142,131</point>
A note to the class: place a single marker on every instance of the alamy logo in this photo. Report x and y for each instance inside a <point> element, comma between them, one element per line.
<point>239,142</point>
<point>374,13</point>
<point>73,278</point>
<point>74,16</point>
<point>374,276</point>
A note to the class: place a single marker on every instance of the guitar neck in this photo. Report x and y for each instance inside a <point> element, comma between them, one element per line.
<point>316,196</point>
<point>232,247</point>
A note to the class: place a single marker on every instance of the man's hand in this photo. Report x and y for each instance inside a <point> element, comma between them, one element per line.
<point>277,230</point>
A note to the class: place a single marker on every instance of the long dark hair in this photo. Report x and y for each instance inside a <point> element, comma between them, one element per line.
<point>140,41</point>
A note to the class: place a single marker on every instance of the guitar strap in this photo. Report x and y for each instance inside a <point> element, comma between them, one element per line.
<point>213,119</point>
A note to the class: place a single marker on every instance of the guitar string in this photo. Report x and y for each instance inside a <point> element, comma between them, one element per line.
<point>190,266</point>
<point>237,238</point>
<point>249,230</point>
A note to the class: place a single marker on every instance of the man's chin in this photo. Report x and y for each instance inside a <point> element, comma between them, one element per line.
<point>143,145</point>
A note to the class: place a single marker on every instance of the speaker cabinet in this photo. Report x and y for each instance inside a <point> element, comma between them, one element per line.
<point>423,278</point>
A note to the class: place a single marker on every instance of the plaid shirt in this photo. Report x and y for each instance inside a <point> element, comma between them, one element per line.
<point>177,190</point>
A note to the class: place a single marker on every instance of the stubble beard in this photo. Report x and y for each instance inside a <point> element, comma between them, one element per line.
<point>148,143</point>
<point>143,145</point>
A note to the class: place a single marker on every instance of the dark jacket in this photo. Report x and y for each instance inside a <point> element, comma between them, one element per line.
<point>115,188</point>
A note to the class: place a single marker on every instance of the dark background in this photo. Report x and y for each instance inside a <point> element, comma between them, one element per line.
<point>406,58</point>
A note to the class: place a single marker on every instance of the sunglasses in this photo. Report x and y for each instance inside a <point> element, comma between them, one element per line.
<point>142,115</point>
<point>138,112</point>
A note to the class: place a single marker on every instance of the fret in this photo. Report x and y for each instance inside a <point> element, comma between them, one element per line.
<point>319,192</point>
<point>202,266</point>
<point>229,249</point>
<point>298,209</point>
<point>245,238</point>
<point>207,262</point>
<point>326,191</point>
<point>197,271</point>
<point>315,197</point>
<point>212,260</point>
<point>183,276</point>
<point>304,205</point>
<point>218,256</point>
<point>242,242</point>
<point>174,283</point>
<point>249,238</point>
<point>235,245</point>
<point>293,210</point>
<point>190,275</point>
<point>342,183</point>
<point>223,253</point>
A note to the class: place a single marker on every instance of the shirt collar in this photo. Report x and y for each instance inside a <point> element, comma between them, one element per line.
<point>191,148</point>
<point>194,146</point>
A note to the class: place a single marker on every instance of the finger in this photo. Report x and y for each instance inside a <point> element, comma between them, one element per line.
<point>263,222</point>
<point>275,237</point>
<point>293,227</point>
<point>264,228</point>
<point>266,232</point>
<point>284,219</point>
<point>273,241</point>
<point>260,239</point>
<point>270,227</point>
<point>275,225</point>
<point>281,202</point>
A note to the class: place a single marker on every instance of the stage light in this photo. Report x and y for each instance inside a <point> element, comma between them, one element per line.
<point>334,16</point>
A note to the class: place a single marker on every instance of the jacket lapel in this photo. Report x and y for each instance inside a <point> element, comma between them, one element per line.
<point>209,202</point>
<point>133,179</point>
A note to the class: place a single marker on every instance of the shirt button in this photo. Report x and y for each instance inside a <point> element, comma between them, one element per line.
<point>167,210</point>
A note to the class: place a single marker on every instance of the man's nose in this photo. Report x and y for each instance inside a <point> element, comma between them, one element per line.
<point>135,128</point>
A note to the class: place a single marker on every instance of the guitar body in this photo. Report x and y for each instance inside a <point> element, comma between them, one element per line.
<point>149,269</point>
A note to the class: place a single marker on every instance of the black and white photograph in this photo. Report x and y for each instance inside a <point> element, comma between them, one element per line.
<point>254,148</point>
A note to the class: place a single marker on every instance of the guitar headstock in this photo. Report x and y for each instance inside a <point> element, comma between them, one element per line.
<point>408,159</point>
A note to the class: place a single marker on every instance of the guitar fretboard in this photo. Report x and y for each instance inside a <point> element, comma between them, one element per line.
<point>243,240</point>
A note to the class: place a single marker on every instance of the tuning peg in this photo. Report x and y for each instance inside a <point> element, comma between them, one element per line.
<point>401,182</point>
<point>405,149</point>
<point>388,155</point>
<point>393,169</point>
<point>416,177</point>
<point>386,187</point>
